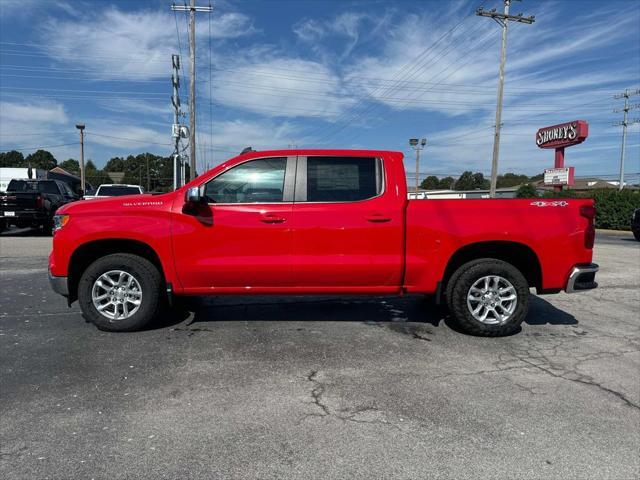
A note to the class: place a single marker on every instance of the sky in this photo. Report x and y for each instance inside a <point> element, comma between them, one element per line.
<point>322,74</point>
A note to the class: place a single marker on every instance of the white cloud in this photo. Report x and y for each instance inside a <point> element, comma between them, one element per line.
<point>349,25</point>
<point>30,123</point>
<point>129,44</point>
<point>281,87</point>
<point>36,114</point>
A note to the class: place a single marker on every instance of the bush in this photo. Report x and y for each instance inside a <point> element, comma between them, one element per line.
<point>526,191</point>
<point>614,208</point>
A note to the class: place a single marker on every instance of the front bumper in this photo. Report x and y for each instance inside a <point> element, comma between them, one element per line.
<point>59,285</point>
<point>582,278</point>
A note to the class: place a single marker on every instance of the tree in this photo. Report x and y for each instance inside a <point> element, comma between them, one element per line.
<point>12,159</point>
<point>479,182</point>
<point>72,166</point>
<point>511,180</point>
<point>526,191</point>
<point>430,183</point>
<point>116,164</point>
<point>465,182</point>
<point>41,159</point>
<point>94,176</point>
<point>446,183</point>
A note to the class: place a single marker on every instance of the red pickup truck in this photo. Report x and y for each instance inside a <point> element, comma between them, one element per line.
<point>306,222</point>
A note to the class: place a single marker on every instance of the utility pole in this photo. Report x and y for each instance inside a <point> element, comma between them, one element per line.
<point>176,129</point>
<point>503,20</point>
<point>625,123</point>
<point>417,145</point>
<point>192,9</point>
<point>80,126</point>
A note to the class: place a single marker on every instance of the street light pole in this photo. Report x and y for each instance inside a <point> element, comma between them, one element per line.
<point>81,126</point>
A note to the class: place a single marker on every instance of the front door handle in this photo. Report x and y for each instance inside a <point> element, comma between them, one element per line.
<point>272,218</point>
<point>377,218</point>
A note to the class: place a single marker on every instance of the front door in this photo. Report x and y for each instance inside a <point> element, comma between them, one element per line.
<point>241,238</point>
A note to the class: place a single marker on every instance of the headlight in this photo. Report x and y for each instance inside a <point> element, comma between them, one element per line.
<point>60,221</point>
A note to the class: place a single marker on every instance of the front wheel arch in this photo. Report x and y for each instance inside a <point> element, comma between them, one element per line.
<point>89,252</point>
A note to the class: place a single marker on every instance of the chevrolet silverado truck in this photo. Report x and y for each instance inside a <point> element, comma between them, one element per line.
<point>307,222</point>
<point>33,203</point>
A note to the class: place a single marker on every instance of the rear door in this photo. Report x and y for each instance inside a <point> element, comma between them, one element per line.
<point>347,228</point>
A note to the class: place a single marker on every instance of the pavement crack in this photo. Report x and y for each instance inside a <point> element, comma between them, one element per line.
<point>316,395</point>
<point>317,392</point>
<point>582,379</point>
<point>480,372</point>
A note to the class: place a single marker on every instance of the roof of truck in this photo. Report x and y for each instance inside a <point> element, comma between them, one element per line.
<point>289,152</point>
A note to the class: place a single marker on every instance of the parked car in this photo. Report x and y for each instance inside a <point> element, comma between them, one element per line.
<point>294,222</point>
<point>115,190</point>
<point>635,223</point>
<point>33,203</point>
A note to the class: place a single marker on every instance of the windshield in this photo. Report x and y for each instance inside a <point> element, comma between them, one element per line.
<point>117,191</point>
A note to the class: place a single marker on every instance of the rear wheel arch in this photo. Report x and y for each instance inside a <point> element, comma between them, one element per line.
<point>519,255</point>
<point>89,252</point>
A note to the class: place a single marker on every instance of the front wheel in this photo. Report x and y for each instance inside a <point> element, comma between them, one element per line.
<point>120,292</point>
<point>488,297</point>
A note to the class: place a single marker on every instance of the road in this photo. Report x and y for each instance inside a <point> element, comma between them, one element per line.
<point>272,387</point>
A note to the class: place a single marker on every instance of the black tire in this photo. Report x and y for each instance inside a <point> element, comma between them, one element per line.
<point>47,227</point>
<point>458,288</point>
<point>636,234</point>
<point>143,271</point>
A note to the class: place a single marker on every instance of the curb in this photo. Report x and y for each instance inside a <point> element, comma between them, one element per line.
<point>621,233</point>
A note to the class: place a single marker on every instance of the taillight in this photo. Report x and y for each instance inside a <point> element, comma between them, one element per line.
<point>38,201</point>
<point>589,212</point>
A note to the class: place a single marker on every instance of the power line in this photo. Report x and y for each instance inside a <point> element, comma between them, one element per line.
<point>503,20</point>
<point>625,123</point>
<point>128,139</point>
<point>22,149</point>
<point>399,74</point>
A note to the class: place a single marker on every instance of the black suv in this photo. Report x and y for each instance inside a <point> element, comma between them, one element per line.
<point>635,224</point>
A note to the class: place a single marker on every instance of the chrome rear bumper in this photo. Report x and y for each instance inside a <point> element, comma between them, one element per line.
<point>582,278</point>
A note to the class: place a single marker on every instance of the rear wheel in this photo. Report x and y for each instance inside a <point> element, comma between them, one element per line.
<point>120,292</point>
<point>488,297</point>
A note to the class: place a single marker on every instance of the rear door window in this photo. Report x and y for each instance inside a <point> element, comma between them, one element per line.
<point>342,179</point>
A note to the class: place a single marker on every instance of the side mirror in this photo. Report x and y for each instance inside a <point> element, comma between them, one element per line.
<point>193,195</point>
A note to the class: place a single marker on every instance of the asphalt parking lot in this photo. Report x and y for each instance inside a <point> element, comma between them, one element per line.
<point>272,387</point>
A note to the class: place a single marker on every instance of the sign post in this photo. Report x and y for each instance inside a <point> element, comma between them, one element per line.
<point>559,137</point>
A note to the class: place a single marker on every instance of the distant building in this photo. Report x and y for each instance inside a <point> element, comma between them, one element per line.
<point>585,184</point>
<point>61,174</point>
<point>509,192</point>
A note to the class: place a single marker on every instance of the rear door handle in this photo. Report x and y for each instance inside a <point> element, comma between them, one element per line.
<point>377,218</point>
<point>272,218</point>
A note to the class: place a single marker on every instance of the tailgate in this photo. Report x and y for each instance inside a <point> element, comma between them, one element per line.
<point>13,201</point>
